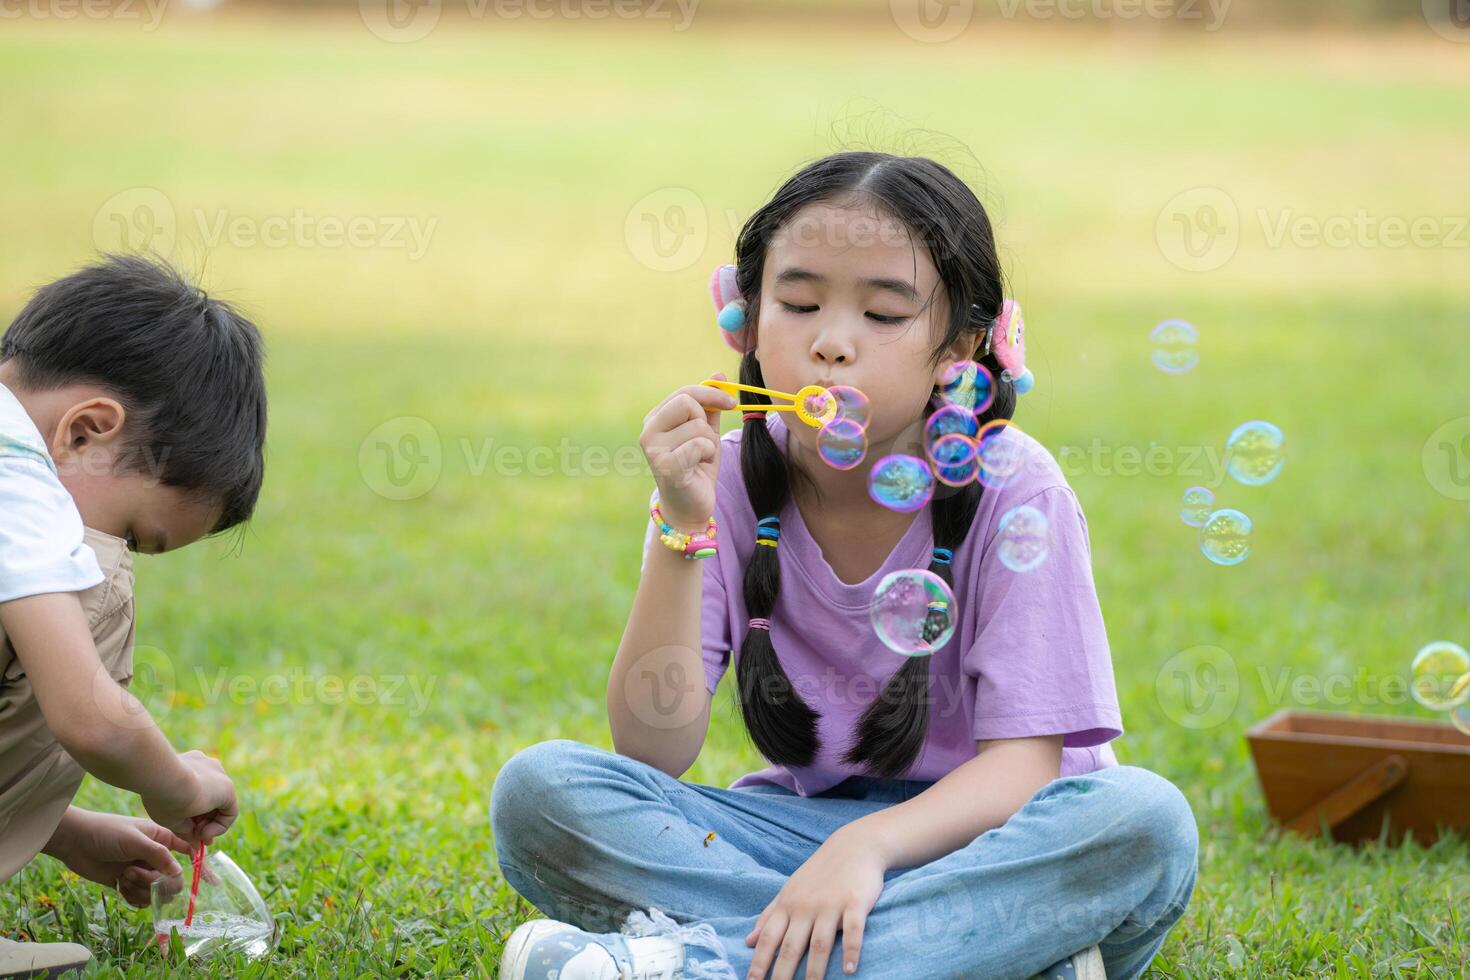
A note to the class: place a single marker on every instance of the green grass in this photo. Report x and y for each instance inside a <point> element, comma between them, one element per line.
<point>530,319</point>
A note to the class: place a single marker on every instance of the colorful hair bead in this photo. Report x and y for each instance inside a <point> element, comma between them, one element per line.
<point>943,556</point>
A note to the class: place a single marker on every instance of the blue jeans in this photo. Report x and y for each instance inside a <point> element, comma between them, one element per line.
<point>1107,858</point>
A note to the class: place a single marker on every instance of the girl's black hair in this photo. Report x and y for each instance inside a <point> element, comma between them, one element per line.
<point>943,215</point>
<point>186,366</point>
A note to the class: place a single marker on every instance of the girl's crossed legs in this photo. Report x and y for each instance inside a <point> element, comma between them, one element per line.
<point>1107,858</point>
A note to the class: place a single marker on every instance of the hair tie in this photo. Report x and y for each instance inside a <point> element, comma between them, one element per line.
<point>943,556</point>
<point>760,624</point>
<point>754,417</point>
<point>768,531</point>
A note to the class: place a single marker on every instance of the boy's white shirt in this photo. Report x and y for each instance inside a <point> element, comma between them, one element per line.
<point>42,548</point>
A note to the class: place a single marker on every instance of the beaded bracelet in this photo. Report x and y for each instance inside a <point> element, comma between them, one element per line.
<point>701,545</point>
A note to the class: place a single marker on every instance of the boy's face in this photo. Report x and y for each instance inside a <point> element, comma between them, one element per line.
<point>86,432</point>
<point>151,517</point>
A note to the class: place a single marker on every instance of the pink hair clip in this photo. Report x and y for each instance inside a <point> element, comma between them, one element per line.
<point>1006,337</point>
<point>730,309</point>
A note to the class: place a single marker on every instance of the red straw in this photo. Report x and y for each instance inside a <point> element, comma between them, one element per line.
<point>198,856</point>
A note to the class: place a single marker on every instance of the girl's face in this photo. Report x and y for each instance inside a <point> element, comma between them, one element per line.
<point>841,294</point>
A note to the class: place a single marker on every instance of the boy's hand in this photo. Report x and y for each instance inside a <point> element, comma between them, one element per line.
<point>126,853</point>
<point>212,797</point>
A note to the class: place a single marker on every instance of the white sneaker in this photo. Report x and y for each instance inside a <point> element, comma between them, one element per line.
<point>40,959</point>
<point>1086,965</point>
<point>545,949</point>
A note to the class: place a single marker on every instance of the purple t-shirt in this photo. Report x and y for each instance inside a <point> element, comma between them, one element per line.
<point>1029,655</point>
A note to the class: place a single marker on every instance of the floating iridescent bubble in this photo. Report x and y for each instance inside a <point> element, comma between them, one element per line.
<point>852,404</point>
<point>945,421</point>
<point>1175,346</point>
<point>955,458</point>
<point>913,612</point>
<point>1435,673</point>
<point>1253,453</point>
<point>1001,453</point>
<point>1225,536</point>
<point>901,482</point>
<point>968,385</point>
<point>1460,713</point>
<point>842,443</point>
<point>1198,502</point>
<point>1023,538</point>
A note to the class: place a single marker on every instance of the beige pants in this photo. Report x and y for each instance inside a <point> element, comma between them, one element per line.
<point>37,777</point>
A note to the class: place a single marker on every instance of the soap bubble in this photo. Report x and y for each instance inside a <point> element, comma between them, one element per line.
<point>1225,536</point>
<point>1001,454</point>
<point>913,612</point>
<point>1435,673</point>
<point>1175,343</point>
<point>842,443</point>
<point>852,404</point>
<point>1460,713</point>
<point>901,482</point>
<point>956,461</point>
<point>1253,453</point>
<point>968,385</point>
<point>1023,538</point>
<point>949,420</point>
<point>1197,505</point>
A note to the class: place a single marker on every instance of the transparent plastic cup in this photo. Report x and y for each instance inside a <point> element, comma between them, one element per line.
<point>229,914</point>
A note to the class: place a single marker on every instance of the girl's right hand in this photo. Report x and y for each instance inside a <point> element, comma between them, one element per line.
<point>681,441</point>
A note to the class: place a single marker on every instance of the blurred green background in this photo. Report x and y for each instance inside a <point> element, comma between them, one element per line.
<point>478,245</point>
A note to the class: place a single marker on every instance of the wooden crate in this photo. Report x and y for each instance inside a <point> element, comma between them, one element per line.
<point>1357,773</point>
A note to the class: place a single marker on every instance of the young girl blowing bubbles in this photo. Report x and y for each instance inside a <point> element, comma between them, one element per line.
<point>952,815</point>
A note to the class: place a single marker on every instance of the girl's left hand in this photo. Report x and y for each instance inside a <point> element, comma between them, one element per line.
<point>835,888</point>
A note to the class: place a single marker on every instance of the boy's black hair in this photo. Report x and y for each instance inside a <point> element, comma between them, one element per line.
<point>943,216</point>
<point>187,367</point>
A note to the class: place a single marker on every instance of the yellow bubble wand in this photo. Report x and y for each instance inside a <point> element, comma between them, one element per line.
<point>813,404</point>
